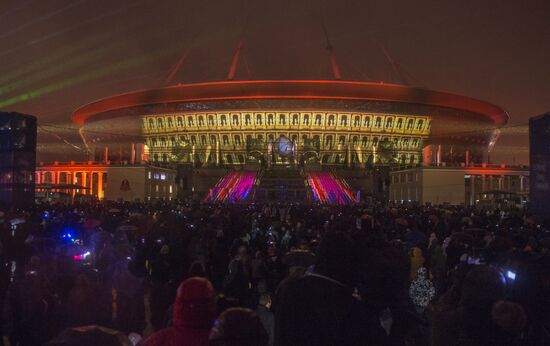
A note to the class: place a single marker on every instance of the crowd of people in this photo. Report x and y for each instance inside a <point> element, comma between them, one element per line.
<point>189,273</point>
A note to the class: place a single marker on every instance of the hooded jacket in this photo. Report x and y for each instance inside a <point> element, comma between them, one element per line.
<point>193,316</point>
<point>417,261</point>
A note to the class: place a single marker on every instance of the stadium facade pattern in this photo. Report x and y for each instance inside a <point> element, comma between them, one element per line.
<point>331,122</point>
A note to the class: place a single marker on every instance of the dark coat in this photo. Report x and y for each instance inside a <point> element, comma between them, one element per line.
<point>462,327</point>
<point>319,311</point>
<point>268,320</point>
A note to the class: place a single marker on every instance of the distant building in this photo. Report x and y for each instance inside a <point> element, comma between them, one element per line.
<point>17,158</point>
<point>98,180</point>
<point>484,184</point>
<point>330,123</point>
<point>539,160</point>
<point>140,182</point>
<point>210,129</point>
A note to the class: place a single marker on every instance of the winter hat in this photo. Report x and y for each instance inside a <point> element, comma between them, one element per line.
<point>336,257</point>
<point>195,304</point>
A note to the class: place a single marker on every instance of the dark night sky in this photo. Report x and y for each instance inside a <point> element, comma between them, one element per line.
<point>56,55</point>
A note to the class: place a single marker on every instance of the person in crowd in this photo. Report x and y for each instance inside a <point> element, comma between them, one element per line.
<point>417,261</point>
<point>437,265</point>
<point>480,317</point>
<point>383,289</point>
<point>238,281</point>
<point>258,268</point>
<point>319,309</point>
<point>266,316</point>
<point>356,290</point>
<point>238,327</point>
<point>29,308</point>
<point>197,269</point>
<point>422,291</point>
<point>81,306</point>
<point>193,315</point>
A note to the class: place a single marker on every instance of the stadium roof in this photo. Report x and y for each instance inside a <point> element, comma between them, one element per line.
<point>290,89</point>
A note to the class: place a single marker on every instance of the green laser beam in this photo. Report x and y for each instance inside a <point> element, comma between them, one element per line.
<point>42,18</point>
<point>64,31</point>
<point>54,70</point>
<point>86,77</point>
<point>54,57</point>
<point>52,62</point>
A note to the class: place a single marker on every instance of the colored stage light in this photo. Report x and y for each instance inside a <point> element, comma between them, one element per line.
<point>329,189</point>
<point>232,188</point>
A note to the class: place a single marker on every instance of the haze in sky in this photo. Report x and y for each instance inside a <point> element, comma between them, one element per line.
<point>56,55</point>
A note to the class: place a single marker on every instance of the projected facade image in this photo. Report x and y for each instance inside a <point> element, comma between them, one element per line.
<point>284,136</point>
<point>335,123</point>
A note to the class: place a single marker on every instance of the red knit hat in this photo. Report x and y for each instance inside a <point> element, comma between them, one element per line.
<point>195,304</point>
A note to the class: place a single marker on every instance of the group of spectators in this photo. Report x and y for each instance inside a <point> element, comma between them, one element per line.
<point>188,273</point>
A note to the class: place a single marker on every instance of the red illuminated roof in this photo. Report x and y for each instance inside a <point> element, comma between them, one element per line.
<point>291,89</point>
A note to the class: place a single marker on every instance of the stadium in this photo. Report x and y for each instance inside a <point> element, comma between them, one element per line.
<point>288,131</point>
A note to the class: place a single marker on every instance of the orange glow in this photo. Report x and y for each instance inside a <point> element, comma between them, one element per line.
<point>86,170</point>
<point>484,171</point>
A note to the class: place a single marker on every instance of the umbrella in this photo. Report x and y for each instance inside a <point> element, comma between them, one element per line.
<point>414,238</point>
<point>365,216</point>
<point>545,242</point>
<point>529,220</point>
<point>91,223</point>
<point>434,219</point>
<point>43,245</point>
<point>101,237</point>
<point>90,335</point>
<point>476,232</point>
<point>72,250</point>
<point>462,236</point>
<point>299,258</point>
<point>130,228</point>
<point>466,219</point>
<point>401,221</point>
<point>17,221</point>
